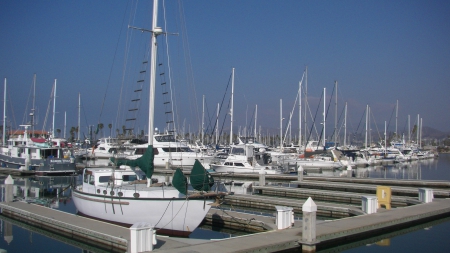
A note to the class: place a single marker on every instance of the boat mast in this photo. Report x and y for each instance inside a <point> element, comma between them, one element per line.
<point>367,119</point>
<point>335,114</point>
<point>4,115</point>
<point>324,116</point>
<point>203,119</point>
<point>151,112</point>
<point>417,130</point>
<point>256,117</point>
<point>300,114</point>
<point>231,110</point>
<point>385,140</point>
<point>345,125</point>
<point>79,113</point>
<point>409,130</point>
<point>306,101</point>
<point>420,142</point>
<point>54,104</point>
<point>65,121</point>
<point>34,101</point>
<point>217,124</point>
<point>396,117</point>
<point>281,124</point>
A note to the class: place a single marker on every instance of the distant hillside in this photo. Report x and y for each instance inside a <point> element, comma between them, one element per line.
<point>429,132</point>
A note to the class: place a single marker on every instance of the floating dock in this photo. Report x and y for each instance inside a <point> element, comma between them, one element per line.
<point>344,193</point>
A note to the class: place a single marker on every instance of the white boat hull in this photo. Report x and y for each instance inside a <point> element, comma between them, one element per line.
<point>168,215</point>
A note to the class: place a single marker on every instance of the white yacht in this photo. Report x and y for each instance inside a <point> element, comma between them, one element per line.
<point>243,159</point>
<point>170,152</point>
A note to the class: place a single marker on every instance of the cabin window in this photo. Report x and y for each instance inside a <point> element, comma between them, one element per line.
<point>102,148</point>
<point>239,164</point>
<point>165,138</point>
<point>129,178</point>
<point>140,151</point>
<point>237,151</point>
<point>176,149</point>
<point>103,179</point>
<point>91,179</point>
<point>228,163</point>
<point>86,176</point>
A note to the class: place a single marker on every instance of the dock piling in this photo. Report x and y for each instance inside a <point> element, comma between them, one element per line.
<point>9,191</point>
<point>349,171</point>
<point>426,195</point>
<point>142,237</point>
<point>284,217</point>
<point>369,204</point>
<point>262,178</point>
<point>300,173</point>
<point>308,240</point>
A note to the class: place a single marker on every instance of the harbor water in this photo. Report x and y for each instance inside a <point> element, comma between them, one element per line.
<point>431,236</point>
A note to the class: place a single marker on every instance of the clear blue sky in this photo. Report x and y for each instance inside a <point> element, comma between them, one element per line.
<point>378,51</point>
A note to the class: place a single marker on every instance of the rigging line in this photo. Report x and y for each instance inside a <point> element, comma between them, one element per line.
<point>168,66</point>
<point>250,124</point>
<point>112,65</point>
<point>25,113</point>
<point>12,111</point>
<point>128,39</point>
<point>329,103</point>
<point>225,117</point>
<point>188,63</point>
<point>48,107</point>
<point>293,108</point>
<point>393,110</point>
<point>314,121</point>
<point>376,126</point>
<point>221,104</point>
<point>339,120</point>
<point>364,113</point>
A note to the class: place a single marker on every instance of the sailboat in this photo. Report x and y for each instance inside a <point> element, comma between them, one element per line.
<point>125,196</point>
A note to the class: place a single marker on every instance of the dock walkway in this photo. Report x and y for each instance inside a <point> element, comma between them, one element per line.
<point>329,232</point>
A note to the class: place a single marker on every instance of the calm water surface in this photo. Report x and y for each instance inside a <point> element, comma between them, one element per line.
<point>430,237</point>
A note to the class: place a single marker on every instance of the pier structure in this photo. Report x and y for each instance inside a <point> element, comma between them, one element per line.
<point>412,203</point>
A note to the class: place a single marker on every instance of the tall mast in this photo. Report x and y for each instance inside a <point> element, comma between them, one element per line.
<point>367,123</point>
<point>4,115</point>
<point>231,111</point>
<point>300,114</point>
<point>34,101</point>
<point>65,121</point>
<point>306,101</point>
<point>417,130</point>
<point>396,117</point>
<point>281,123</point>
<point>151,112</point>
<point>79,113</point>
<point>420,142</point>
<point>324,116</point>
<point>385,137</point>
<point>335,114</point>
<point>256,117</point>
<point>54,110</point>
<point>345,126</point>
<point>217,125</point>
<point>409,130</point>
<point>203,118</point>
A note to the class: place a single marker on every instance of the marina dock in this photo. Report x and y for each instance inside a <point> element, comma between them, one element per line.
<point>335,198</point>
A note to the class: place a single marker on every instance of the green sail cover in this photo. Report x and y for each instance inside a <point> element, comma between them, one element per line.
<point>145,162</point>
<point>201,180</point>
<point>179,181</point>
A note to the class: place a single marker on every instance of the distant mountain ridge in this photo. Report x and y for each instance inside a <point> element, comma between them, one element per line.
<point>429,132</point>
